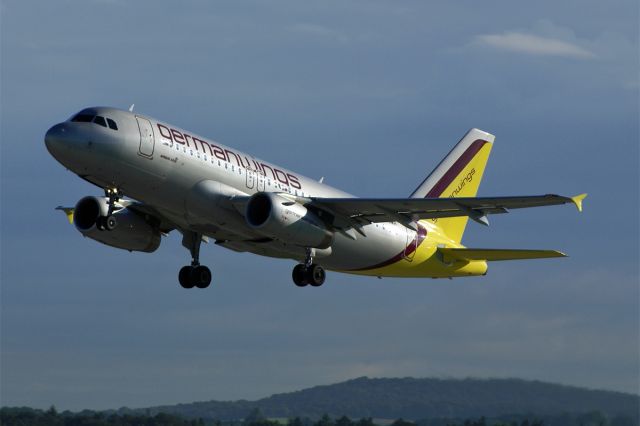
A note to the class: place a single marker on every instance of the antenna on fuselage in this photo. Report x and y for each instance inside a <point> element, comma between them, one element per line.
<point>131,107</point>
<point>321,179</point>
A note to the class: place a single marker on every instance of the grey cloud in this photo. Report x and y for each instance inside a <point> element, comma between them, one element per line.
<point>533,45</point>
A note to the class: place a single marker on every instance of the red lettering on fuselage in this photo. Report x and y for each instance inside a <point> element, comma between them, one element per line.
<point>202,143</point>
<point>164,129</point>
<point>265,167</point>
<point>282,179</point>
<point>226,154</point>
<point>293,180</point>
<point>177,136</point>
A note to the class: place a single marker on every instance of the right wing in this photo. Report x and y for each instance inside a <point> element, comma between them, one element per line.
<point>347,212</point>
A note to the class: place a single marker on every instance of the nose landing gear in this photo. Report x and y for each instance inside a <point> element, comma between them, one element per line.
<point>194,275</point>
<point>308,273</point>
<point>109,222</point>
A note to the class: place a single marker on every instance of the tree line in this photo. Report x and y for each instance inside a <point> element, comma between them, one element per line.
<point>25,416</point>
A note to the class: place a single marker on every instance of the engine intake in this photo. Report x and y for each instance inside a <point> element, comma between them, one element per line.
<point>87,212</point>
<point>280,218</point>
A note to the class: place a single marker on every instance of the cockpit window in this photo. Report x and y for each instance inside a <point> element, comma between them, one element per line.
<point>100,120</point>
<point>97,119</point>
<point>82,118</point>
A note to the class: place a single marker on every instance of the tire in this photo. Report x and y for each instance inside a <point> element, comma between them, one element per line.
<point>110,223</point>
<point>101,223</point>
<point>201,276</point>
<point>184,277</point>
<point>316,275</point>
<point>299,276</point>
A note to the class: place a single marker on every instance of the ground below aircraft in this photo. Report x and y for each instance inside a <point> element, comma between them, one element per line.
<point>175,180</point>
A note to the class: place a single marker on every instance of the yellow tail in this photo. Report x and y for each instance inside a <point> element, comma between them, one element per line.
<point>458,175</point>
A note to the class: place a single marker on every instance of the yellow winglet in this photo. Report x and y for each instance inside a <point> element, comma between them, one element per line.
<point>68,211</point>
<point>577,200</point>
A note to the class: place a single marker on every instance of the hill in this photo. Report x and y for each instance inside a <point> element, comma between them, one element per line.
<point>411,398</point>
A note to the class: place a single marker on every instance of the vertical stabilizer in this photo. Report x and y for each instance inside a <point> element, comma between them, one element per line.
<point>458,175</point>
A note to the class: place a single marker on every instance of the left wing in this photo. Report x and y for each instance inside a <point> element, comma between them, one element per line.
<point>349,212</point>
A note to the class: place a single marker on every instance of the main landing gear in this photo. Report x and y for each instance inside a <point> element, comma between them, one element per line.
<point>308,273</point>
<point>194,275</point>
<point>109,222</point>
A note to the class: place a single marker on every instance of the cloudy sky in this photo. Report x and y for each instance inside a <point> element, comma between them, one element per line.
<point>370,94</point>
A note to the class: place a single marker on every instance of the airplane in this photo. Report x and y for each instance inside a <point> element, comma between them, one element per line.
<point>158,178</point>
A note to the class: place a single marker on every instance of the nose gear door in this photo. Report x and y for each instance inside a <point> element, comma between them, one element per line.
<point>146,137</point>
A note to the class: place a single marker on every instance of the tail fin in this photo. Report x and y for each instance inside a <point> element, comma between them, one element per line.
<point>458,175</point>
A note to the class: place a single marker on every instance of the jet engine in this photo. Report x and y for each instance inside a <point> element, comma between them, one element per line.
<point>132,232</point>
<point>280,218</point>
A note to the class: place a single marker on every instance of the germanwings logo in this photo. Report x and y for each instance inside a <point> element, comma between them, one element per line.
<point>227,155</point>
<point>467,179</point>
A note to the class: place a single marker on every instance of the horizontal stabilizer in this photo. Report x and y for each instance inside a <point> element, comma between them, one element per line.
<point>468,254</point>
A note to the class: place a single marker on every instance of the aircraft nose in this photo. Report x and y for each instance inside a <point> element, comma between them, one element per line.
<point>54,139</point>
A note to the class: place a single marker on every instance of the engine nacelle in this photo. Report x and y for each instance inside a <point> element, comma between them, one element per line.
<point>280,218</point>
<point>132,232</point>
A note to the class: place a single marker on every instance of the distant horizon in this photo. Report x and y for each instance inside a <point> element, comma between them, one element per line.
<point>330,384</point>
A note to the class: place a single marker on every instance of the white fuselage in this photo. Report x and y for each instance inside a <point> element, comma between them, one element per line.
<point>191,181</point>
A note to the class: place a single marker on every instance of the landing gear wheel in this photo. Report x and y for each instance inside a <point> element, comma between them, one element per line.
<point>299,275</point>
<point>110,223</point>
<point>184,277</point>
<point>315,275</point>
<point>195,275</point>
<point>201,276</point>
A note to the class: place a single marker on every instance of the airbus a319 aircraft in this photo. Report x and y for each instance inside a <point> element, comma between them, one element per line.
<point>175,180</point>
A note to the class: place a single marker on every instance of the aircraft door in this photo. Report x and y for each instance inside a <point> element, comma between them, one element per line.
<point>251,178</point>
<point>146,137</point>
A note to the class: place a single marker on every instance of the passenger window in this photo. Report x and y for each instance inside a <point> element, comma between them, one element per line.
<point>100,120</point>
<point>82,118</point>
<point>112,124</point>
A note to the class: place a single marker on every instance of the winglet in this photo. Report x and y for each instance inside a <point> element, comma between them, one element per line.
<point>68,211</point>
<point>577,200</point>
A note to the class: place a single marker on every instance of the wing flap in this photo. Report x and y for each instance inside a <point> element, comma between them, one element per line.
<point>470,254</point>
